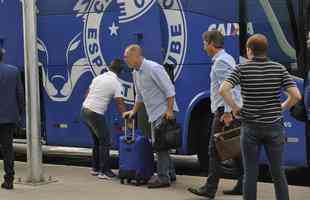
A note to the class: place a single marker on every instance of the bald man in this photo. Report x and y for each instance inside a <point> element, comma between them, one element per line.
<point>155,89</point>
<point>261,83</point>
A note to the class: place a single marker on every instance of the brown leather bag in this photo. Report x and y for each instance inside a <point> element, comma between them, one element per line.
<point>227,143</point>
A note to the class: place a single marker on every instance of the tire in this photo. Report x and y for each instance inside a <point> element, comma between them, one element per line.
<point>203,159</point>
<point>199,133</point>
<point>203,143</point>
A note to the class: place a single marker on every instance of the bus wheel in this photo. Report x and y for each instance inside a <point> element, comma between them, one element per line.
<point>199,133</point>
<point>203,160</point>
<point>203,144</point>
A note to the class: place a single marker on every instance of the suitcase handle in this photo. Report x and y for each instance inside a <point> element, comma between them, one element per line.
<point>131,139</point>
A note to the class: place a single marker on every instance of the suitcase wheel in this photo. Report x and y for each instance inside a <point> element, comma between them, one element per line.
<point>122,181</point>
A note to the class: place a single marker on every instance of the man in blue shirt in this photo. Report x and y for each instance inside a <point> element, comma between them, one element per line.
<point>223,65</point>
<point>155,89</point>
<point>12,105</point>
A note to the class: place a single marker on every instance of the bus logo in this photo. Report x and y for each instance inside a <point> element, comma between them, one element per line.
<point>89,50</point>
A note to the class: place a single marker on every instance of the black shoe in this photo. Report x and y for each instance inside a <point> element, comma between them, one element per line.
<point>234,191</point>
<point>109,173</point>
<point>7,185</point>
<point>201,192</point>
<point>173,179</point>
<point>157,184</point>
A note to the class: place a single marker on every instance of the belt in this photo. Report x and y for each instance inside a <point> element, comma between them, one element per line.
<point>219,110</point>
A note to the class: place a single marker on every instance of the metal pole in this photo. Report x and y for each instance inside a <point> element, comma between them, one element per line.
<point>33,118</point>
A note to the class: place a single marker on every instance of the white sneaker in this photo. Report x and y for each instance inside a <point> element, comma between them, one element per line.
<point>94,173</point>
<point>103,176</point>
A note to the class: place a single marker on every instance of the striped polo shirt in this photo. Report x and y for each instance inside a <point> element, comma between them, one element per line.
<point>261,84</point>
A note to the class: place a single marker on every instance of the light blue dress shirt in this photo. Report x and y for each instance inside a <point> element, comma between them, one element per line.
<point>223,64</point>
<point>153,87</point>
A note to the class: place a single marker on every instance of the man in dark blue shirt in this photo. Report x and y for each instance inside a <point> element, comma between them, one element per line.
<point>12,105</point>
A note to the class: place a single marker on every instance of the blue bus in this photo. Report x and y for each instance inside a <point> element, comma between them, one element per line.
<point>77,39</point>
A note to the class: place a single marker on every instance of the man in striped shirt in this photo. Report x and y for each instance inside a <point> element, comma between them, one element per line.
<point>261,82</point>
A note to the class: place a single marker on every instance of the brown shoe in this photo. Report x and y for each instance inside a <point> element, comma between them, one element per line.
<point>7,185</point>
<point>201,192</point>
<point>157,183</point>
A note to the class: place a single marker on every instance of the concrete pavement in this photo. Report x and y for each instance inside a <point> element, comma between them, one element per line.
<point>75,183</point>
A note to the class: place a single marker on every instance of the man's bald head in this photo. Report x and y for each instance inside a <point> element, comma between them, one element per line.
<point>134,49</point>
<point>258,44</point>
<point>134,56</point>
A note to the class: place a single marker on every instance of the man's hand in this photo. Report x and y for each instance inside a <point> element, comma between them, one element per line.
<point>128,114</point>
<point>236,111</point>
<point>169,115</point>
<point>227,118</point>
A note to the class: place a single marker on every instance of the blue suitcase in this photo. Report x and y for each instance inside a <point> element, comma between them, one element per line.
<point>136,159</point>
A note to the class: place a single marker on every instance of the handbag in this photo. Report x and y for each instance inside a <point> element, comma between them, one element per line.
<point>227,142</point>
<point>167,135</point>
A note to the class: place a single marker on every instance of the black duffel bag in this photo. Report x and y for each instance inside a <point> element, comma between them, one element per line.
<point>168,135</point>
<point>299,112</point>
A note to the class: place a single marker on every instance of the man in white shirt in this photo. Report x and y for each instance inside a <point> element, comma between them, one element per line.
<point>102,89</point>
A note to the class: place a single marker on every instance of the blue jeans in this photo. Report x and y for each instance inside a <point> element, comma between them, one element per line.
<point>165,166</point>
<point>270,136</point>
<point>101,137</point>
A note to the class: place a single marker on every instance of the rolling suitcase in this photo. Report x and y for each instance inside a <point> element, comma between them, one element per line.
<point>136,159</point>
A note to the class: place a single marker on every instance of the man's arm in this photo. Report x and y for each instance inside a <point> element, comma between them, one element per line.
<point>131,113</point>
<point>293,93</point>
<point>225,91</point>
<point>120,105</point>
<point>138,105</point>
<point>138,99</point>
<point>169,114</point>
<point>161,78</point>
<point>222,70</point>
<point>138,102</point>
<point>293,97</point>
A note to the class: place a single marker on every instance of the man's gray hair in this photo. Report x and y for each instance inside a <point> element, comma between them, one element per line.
<point>215,37</point>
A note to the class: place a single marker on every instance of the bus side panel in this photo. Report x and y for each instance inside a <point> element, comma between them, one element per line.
<point>66,77</point>
<point>11,33</point>
<point>77,45</point>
